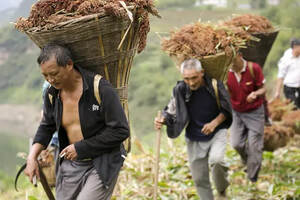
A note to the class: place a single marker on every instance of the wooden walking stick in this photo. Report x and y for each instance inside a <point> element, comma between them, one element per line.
<point>156,167</point>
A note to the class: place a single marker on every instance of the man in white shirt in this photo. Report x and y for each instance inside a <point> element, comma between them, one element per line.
<point>289,73</point>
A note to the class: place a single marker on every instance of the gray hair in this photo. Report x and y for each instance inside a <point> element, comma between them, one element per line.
<point>191,64</point>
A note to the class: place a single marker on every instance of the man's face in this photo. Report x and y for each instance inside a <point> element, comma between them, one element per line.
<point>296,50</point>
<point>237,64</point>
<point>54,74</point>
<point>193,78</point>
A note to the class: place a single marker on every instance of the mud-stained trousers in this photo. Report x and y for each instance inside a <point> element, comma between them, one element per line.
<point>247,138</point>
<point>203,155</point>
<point>79,180</point>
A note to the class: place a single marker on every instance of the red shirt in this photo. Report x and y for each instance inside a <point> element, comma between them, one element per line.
<point>239,90</point>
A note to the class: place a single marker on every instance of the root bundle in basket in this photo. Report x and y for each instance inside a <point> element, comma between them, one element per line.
<point>278,108</point>
<point>198,40</point>
<point>251,23</point>
<point>46,13</point>
<point>292,119</point>
<point>276,136</point>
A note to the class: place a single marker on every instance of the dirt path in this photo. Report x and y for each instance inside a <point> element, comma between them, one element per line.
<point>19,119</point>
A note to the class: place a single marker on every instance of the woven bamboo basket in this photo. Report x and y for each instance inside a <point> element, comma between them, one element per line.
<point>257,51</point>
<point>94,41</point>
<point>215,66</point>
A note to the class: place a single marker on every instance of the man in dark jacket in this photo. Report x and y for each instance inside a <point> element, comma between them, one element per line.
<point>90,134</point>
<point>205,111</point>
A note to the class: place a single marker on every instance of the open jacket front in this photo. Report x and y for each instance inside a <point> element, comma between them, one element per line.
<point>104,127</point>
<point>176,114</point>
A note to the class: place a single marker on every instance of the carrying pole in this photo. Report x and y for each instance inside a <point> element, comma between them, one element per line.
<point>156,167</point>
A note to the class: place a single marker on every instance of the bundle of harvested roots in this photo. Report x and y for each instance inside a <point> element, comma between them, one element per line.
<point>198,40</point>
<point>292,119</point>
<point>251,23</point>
<point>46,13</point>
<point>276,136</point>
<point>278,108</point>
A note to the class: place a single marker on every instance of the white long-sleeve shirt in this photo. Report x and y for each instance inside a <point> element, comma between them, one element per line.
<point>289,69</point>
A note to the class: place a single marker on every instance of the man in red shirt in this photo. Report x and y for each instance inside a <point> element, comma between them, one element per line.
<point>246,87</point>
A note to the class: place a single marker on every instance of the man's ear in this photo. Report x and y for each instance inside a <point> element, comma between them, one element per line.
<point>70,65</point>
<point>202,72</point>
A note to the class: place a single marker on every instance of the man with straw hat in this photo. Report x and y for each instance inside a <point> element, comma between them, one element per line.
<point>204,109</point>
<point>246,87</point>
<point>90,131</point>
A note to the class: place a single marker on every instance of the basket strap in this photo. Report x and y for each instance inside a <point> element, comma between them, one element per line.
<point>250,65</point>
<point>50,98</point>
<point>130,16</point>
<point>102,51</point>
<point>215,86</point>
<point>97,79</point>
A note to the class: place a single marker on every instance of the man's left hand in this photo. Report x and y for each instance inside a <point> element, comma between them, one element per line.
<point>208,128</point>
<point>69,152</point>
<point>251,97</point>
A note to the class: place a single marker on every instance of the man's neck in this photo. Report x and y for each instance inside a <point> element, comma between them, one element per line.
<point>74,82</point>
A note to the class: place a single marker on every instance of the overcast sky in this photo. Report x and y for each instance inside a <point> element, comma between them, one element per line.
<point>4,4</point>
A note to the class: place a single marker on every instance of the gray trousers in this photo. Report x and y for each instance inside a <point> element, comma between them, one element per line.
<point>247,138</point>
<point>211,153</point>
<point>79,180</point>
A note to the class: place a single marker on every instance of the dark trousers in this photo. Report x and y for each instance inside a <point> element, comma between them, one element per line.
<point>293,94</point>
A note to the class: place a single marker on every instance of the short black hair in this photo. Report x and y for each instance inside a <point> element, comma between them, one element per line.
<point>295,42</point>
<point>60,52</point>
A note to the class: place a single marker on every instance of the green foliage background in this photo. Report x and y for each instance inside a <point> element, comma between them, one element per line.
<point>153,73</point>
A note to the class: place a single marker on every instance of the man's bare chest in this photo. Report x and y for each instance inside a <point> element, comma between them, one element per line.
<point>70,113</point>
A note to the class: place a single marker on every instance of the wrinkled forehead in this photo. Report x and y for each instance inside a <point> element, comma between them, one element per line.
<point>49,66</point>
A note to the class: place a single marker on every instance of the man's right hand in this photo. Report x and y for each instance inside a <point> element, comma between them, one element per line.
<point>277,95</point>
<point>158,122</point>
<point>32,169</point>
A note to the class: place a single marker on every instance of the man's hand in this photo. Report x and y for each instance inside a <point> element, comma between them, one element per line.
<point>277,95</point>
<point>252,97</point>
<point>32,169</point>
<point>69,152</point>
<point>209,128</point>
<point>158,122</point>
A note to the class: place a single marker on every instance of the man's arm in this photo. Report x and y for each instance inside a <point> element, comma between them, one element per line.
<point>115,132</point>
<point>259,83</point>
<point>168,115</point>
<point>283,66</point>
<point>211,126</point>
<point>32,168</point>
<point>47,125</point>
<point>279,84</point>
<point>255,94</point>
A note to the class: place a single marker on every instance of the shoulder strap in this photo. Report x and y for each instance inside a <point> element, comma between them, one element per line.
<point>97,79</point>
<point>50,98</point>
<point>215,86</point>
<point>250,65</point>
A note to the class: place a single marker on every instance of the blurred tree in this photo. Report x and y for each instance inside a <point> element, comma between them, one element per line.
<point>258,4</point>
<point>175,3</point>
<point>232,3</point>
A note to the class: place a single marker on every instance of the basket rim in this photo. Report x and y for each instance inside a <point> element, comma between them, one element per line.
<point>73,21</point>
<point>276,30</point>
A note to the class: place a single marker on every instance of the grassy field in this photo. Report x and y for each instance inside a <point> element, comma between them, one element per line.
<point>279,178</point>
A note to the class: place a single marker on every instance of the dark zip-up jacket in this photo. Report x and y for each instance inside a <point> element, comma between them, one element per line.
<point>176,114</point>
<point>104,127</point>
